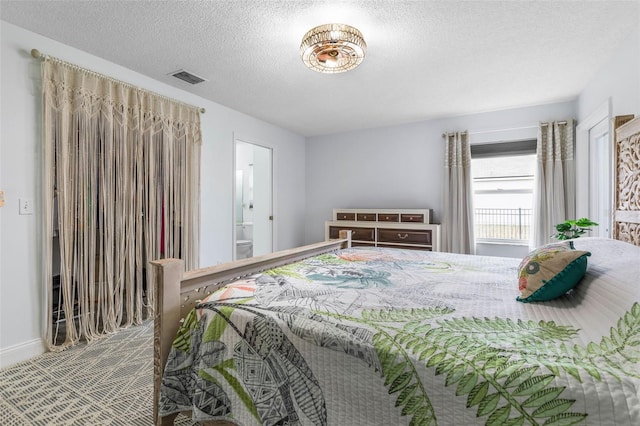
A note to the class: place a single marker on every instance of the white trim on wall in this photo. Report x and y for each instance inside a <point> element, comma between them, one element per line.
<point>603,112</point>
<point>20,352</point>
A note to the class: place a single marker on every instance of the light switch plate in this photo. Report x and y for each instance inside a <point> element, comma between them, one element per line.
<point>26,205</point>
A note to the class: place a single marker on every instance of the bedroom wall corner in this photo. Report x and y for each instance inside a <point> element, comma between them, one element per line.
<point>618,79</point>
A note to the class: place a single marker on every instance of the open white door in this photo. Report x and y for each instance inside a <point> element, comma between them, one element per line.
<point>253,199</point>
<point>262,201</point>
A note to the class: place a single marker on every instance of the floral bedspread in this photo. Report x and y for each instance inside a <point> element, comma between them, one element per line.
<point>398,337</point>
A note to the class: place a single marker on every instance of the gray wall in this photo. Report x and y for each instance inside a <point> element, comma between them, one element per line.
<point>402,166</point>
<point>618,79</point>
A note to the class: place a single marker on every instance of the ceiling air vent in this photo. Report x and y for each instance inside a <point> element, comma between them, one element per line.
<point>188,76</point>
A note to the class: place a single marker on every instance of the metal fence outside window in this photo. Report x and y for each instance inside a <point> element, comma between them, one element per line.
<point>503,224</point>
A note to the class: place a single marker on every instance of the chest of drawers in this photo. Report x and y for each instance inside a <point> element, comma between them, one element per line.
<point>401,228</point>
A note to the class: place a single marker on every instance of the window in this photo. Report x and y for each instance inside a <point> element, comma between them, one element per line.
<point>503,180</point>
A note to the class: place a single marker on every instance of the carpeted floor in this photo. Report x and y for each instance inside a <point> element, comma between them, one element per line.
<point>106,382</point>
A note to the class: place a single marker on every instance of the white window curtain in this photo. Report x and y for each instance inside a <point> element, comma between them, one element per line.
<point>122,176</point>
<point>457,212</point>
<point>554,192</point>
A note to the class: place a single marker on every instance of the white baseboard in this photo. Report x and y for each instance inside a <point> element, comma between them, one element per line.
<point>21,352</point>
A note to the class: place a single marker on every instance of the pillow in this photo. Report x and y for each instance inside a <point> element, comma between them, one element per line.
<point>550,271</point>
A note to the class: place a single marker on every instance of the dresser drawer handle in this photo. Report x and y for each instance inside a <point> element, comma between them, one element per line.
<point>402,237</point>
<point>344,216</point>
<point>386,217</point>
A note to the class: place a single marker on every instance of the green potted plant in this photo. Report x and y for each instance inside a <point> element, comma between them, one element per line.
<point>573,228</point>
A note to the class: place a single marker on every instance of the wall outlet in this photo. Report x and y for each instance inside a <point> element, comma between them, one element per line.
<point>26,205</point>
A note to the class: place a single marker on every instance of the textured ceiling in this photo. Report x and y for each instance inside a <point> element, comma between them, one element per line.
<point>425,59</point>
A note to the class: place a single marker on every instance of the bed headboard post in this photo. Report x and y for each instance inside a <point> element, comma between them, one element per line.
<point>345,234</point>
<point>167,274</point>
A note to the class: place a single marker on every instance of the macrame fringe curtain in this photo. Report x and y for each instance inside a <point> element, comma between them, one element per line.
<point>122,172</point>
<point>457,212</point>
<point>555,184</point>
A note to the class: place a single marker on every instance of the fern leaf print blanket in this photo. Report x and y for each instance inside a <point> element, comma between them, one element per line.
<point>374,336</point>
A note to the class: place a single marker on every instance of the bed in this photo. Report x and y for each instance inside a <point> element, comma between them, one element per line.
<point>333,335</point>
<point>376,336</point>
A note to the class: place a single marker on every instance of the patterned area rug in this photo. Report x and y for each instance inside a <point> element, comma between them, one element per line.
<point>106,382</point>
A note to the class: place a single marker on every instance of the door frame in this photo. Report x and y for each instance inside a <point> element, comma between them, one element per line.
<point>241,138</point>
<point>600,146</point>
<point>583,157</point>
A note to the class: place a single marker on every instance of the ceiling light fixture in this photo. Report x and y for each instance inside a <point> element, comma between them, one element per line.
<point>333,48</point>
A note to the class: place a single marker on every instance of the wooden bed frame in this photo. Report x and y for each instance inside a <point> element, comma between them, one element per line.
<point>178,292</point>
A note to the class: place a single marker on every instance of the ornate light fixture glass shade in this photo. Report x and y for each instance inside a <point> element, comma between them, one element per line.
<point>333,48</point>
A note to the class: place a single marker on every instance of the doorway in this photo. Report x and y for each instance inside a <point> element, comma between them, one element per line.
<point>253,200</point>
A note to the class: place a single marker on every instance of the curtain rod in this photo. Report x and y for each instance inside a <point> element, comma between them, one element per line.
<point>444,135</point>
<point>38,55</point>
<point>503,130</point>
